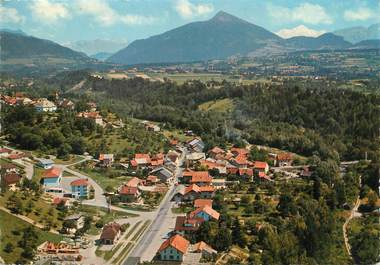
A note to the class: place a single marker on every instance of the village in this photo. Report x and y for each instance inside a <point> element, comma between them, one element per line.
<point>171,193</point>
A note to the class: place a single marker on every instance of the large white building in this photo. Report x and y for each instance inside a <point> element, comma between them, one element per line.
<point>44,105</point>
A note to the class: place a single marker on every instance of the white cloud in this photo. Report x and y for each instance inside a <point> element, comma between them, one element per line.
<point>362,13</point>
<point>305,12</point>
<point>186,9</point>
<point>10,15</point>
<point>300,30</point>
<point>104,14</point>
<point>48,12</point>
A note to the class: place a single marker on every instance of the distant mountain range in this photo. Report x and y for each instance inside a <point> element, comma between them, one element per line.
<point>219,38</point>
<point>19,49</point>
<point>222,36</point>
<point>92,47</point>
<point>358,34</point>
<point>101,56</point>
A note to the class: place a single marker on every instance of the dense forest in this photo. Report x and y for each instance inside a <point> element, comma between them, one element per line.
<point>308,119</point>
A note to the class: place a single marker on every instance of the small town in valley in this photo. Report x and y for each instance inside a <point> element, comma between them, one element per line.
<point>189,132</point>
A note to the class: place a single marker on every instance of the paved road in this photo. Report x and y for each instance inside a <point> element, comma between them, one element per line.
<point>28,167</point>
<point>99,198</point>
<point>146,248</point>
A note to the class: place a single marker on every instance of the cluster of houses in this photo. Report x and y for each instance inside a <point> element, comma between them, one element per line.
<point>51,181</point>
<point>161,170</point>
<point>40,104</point>
<point>198,189</point>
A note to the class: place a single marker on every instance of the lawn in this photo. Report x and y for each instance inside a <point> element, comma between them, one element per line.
<point>40,210</point>
<point>71,160</point>
<point>9,224</point>
<point>221,105</point>
<point>100,177</point>
<point>103,215</point>
<point>37,174</point>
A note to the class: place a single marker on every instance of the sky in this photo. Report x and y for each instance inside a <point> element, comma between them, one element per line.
<point>66,21</point>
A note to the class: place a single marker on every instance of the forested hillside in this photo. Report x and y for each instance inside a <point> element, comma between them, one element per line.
<point>305,118</point>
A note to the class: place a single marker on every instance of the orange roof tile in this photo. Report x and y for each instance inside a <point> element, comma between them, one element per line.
<point>133,182</point>
<point>178,242</point>
<point>200,176</point>
<point>54,172</point>
<point>206,209</point>
<point>217,150</point>
<point>79,182</point>
<point>202,202</point>
<point>261,165</point>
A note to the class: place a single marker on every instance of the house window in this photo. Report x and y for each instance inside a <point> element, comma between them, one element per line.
<point>171,257</point>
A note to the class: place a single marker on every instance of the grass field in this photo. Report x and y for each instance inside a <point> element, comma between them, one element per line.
<point>9,224</point>
<point>103,215</point>
<point>102,179</point>
<point>40,211</point>
<point>181,78</point>
<point>222,105</point>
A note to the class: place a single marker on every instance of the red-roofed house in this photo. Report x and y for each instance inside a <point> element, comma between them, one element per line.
<point>187,226</point>
<point>58,200</point>
<point>92,115</point>
<point>216,152</point>
<point>246,172</point>
<point>142,160</point>
<point>10,180</point>
<point>261,167</point>
<point>110,233</point>
<point>52,177</point>
<point>193,192</point>
<point>80,188</point>
<point>202,202</point>
<point>201,178</point>
<point>263,176</point>
<point>206,250</point>
<point>128,194</point>
<point>205,212</point>
<point>239,151</point>
<point>240,161</point>
<point>134,182</point>
<point>174,248</point>
<point>284,159</point>
<point>106,160</point>
<point>151,180</point>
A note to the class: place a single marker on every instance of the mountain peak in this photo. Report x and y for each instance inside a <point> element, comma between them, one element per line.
<point>224,17</point>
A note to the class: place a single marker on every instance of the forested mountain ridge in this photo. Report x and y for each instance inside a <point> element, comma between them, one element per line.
<point>333,122</point>
<point>16,47</point>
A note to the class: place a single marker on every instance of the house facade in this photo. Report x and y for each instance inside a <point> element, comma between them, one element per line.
<point>173,249</point>
<point>80,188</point>
<point>52,177</point>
